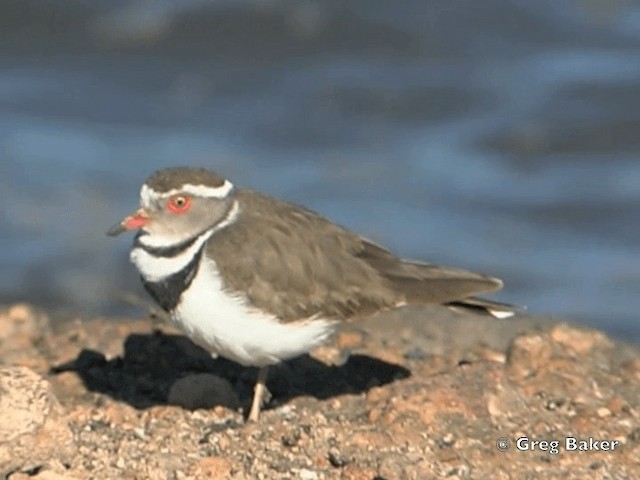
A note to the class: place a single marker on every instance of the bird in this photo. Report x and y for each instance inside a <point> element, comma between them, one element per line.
<point>259,280</point>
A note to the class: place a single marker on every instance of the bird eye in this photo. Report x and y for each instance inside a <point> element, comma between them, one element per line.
<point>179,204</point>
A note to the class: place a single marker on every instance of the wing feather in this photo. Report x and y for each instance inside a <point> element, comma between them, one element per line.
<point>296,264</point>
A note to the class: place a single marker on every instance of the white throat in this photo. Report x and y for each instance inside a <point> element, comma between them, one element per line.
<point>155,269</point>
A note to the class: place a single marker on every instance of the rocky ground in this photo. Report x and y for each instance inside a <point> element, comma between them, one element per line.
<point>409,394</point>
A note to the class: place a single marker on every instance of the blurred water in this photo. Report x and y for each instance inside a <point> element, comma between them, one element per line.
<point>499,135</point>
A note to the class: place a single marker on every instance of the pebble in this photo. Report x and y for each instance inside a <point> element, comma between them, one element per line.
<point>306,474</point>
<point>203,390</point>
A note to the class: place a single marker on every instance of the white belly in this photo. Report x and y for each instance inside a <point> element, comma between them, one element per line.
<point>223,324</point>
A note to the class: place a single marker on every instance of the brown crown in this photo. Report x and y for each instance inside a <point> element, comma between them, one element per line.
<point>171,178</point>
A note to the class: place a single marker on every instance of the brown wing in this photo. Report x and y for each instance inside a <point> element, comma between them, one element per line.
<point>295,264</point>
<point>426,283</point>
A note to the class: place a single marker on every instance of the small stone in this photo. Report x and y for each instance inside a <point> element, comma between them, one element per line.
<point>349,340</point>
<point>306,474</point>
<point>337,458</point>
<point>632,368</point>
<point>219,410</point>
<point>213,467</point>
<point>42,475</point>
<point>21,324</point>
<point>415,353</point>
<point>527,354</point>
<point>330,355</point>
<point>578,341</point>
<point>353,472</point>
<point>203,390</point>
<point>448,440</point>
<point>292,438</point>
<point>377,394</point>
<point>497,406</point>
<point>492,356</point>
<point>20,312</point>
<point>634,436</point>
<point>603,412</point>
<point>616,405</point>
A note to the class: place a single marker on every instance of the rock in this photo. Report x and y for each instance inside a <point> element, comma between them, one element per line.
<point>203,390</point>
<point>42,475</point>
<point>20,328</point>
<point>33,427</point>
<point>337,458</point>
<point>349,339</point>
<point>352,472</point>
<point>213,467</point>
<point>21,320</point>
<point>330,355</point>
<point>376,412</point>
<point>578,341</point>
<point>306,474</point>
<point>527,355</point>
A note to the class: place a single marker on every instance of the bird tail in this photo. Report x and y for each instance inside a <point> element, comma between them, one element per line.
<point>484,307</point>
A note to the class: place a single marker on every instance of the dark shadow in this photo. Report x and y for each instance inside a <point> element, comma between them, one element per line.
<point>151,364</point>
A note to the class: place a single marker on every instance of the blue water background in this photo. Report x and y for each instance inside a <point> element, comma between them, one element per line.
<point>501,136</point>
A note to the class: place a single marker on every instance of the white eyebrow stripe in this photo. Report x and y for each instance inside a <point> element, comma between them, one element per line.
<point>148,194</point>
<point>204,191</point>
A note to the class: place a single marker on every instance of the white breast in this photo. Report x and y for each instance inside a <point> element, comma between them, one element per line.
<point>224,324</point>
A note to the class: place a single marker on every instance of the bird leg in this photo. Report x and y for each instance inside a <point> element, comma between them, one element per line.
<point>258,394</point>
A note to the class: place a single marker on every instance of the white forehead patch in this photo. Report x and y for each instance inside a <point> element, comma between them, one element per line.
<point>148,195</point>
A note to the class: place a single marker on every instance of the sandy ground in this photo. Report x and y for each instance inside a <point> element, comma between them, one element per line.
<point>408,394</point>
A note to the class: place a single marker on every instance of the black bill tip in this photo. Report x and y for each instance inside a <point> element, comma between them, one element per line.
<point>117,229</point>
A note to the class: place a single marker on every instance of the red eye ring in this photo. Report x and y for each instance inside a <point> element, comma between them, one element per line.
<point>179,204</point>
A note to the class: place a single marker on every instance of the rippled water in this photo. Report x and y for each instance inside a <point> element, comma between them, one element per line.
<point>499,135</point>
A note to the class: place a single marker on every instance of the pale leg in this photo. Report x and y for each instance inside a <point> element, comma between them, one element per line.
<point>258,394</point>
